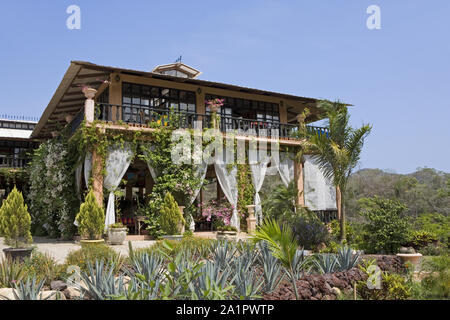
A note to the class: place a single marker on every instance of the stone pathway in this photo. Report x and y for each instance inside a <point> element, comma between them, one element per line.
<point>60,249</point>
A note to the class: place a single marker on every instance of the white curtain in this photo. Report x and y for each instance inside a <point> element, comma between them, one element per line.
<point>87,173</point>
<point>227,178</point>
<point>117,163</point>
<point>285,165</point>
<point>78,177</point>
<point>200,172</point>
<point>87,167</point>
<point>320,193</point>
<point>258,169</point>
<point>153,172</point>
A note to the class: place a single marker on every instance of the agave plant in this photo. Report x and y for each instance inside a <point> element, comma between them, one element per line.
<point>222,251</point>
<point>271,268</point>
<point>246,281</point>
<point>10,271</point>
<point>30,290</point>
<point>100,282</point>
<point>346,259</point>
<point>326,263</point>
<point>212,282</point>
<point>300,264</point>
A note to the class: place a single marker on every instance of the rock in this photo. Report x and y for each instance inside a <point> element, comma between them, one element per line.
<point>58,285</point>
<point>72,293</point>
<point>336,291</point>
<point>51,295</point>
<point>7,294</point>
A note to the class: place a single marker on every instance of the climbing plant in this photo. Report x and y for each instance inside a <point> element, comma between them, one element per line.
<point>52,195</point>
<point>246,192</point>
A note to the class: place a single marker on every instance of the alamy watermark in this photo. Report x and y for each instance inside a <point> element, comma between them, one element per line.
<point>212,146</point>
<point>374,20</point>
<point>73,22</point>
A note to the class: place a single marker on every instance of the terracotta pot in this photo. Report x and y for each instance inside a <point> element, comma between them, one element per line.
<point>177,237</point>
<point>17,254</point>
<point>90,243</point>
<point>226,235</point>
<point>414,258</point>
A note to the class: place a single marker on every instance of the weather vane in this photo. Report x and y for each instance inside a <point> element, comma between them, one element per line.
<point>179,59</point>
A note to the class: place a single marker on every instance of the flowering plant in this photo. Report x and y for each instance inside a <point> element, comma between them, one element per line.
<point>215,104</point>
<point>219,211</point>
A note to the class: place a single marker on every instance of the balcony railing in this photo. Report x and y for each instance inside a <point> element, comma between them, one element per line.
<point>187,120</point>
<point>13,162</point>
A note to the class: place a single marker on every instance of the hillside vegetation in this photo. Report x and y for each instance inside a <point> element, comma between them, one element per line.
<point>424,191</point>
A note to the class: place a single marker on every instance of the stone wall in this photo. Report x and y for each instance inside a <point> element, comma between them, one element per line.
<point>328,286</point>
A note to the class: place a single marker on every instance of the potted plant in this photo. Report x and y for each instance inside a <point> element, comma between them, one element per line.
<point>226,232</point>
<point>117,233</point>
<point>408,254</point>
<point>91,219</point>
<point>171,219</point>
<point>15,224</point>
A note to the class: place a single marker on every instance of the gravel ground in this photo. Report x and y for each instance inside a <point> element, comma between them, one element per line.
<point>60,249</point>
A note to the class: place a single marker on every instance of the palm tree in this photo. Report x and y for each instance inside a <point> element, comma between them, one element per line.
<point>338,152</point>
<point>282,244</point>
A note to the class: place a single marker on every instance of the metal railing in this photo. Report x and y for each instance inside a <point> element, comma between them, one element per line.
<point>13,161</point>
<point>186,120</point>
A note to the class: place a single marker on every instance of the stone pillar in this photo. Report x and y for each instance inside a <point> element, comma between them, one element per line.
<point>180,224</point>
<point>299,183</point>
<point>89,104</point>
<point>251,220</point>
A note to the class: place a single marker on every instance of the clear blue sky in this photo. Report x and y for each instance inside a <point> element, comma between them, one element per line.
<point>397,78</point>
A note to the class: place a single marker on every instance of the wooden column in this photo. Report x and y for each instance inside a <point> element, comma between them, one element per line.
<point>129,193</point>
<point>115,96</point>
<point>200,101</point>
<point>97,184</point>
<point>283,112</point>
<point>298,180</point>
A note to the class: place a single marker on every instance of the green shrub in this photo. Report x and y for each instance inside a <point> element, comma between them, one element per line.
<point>422,238</point>
<point>15,221</point>
<point>310,231</point>
<point>353,233</point>
<point>197,246</point>
<point>437,224</point>
<point>226,228</point>
<point>393,287</point>
<point>43,267</point>
<point>91,218</point>
<point>170,218</point>
<point>387,228</point>
<point>434,250</point>
<point>437,283</point>
<point>90,254</point>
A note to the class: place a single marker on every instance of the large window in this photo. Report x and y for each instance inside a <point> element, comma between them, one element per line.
<point>136,95</point>
<point>247,109</point>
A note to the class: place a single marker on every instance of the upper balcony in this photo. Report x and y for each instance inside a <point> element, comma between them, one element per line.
<point>144,116</point>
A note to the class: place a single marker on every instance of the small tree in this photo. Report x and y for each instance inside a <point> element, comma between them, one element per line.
<point>388,226</point>
<point>91,218</point>
<point>171,217</point>
<point>15,221</point>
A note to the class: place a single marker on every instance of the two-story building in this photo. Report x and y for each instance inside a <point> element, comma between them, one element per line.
<point>117,96</point>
